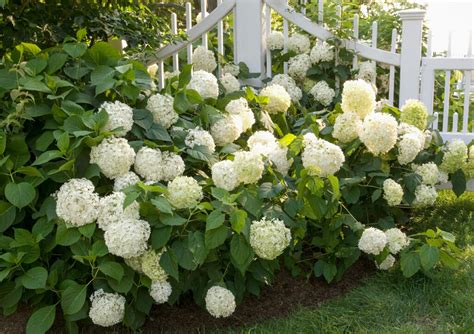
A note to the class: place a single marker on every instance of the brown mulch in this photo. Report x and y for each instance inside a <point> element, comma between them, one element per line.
<point>283,297</point>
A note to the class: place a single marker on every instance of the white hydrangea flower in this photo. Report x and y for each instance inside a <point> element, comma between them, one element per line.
<point>359,97</point>
<point>240,108</point>
<point>321,52</point>
<point>392,192</point>
<point>111,210</point>
<point>220,302</point>
<point>455,156</point>
<point>404,128</point>
<point>443,177</point>
<point>414,112</point>
<point>170,75</point>
<point>380,104</point>
<point>205,84</point>
<point>379,133</point>
<point>114,156</point>
<point>152,69</point>
<point>224,175</point>
<point>408,148</point>
<point>269,238</point>
<point>77,203</point>
<point>298,66</point>
<point>184,192</point>
<point>230,83</point>
<point>372,241</point>
<point>275,40</point>
<point>290,86</point>
<point>367,71</point>
<point>200,137</point>
<point>279,159</point>
<point>127,238</point>
<point>299,43</point>
<point>161,107</point>
<point>429,172</point>
<point>173,166</point>
<point>323,93</point>
<point>226,130</point>
<point>135,263</point>
<point>199,17</point>
<point>151,265</point>
<point>396,239</point>
<point>107,309</point>
<point>204,60</point>
<point>347,127</point>
<point>387,263</point>
<point>120,116</point>
<point>160,291</point>
<point>321,157</point>
<point>232,69</point>
<point>262,142</point>
<point>126,180</point>
<point>278,99</point>
<point>149,164</point>
<point>249,166</point>
<point>425,196</point>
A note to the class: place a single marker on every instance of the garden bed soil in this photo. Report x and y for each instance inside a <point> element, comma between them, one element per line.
<point>282,298</point>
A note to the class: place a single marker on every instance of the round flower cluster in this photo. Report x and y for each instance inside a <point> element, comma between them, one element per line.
<point>379,133</point>
<point>161,107</point>
<point>321,52</point>
<point>232,69</point>
<point>275,40</point>
<point>359,97</point>
<point>172,166</point>
<point>290,86</point>
<point>148,164</point>
<point>204,60</point>
<point>205,84</point>
<point>111,210</point>
<point>278,99</point>
<point>107,309</point>
<point>392,192</point>
<point>114,156</point>
<point>428,171</point>
<point>151,267</point>
<point>265,143</point>
<point>279,159</point>
<point>126,180</point>
<point>367,71</point>
<point>454,157</point>
<point>160,291</point>
<point>321,157</point>
<point>249,166</point>
<point>230,83</point>
<point>269,238</point>
<point>77,203</point>
<point>220,302</point>
<point>135,263</point>
<point>372,241</point>
<point>396,239</point>
<point>127,238</point>
<point>408,148</point>
<point>323,93</point>
<point>415,113</point>
<point>224,175</point>
<point>425,196</point>
<point>226,130</point>
<point>240,108</point>
<point>299,43</point>
<point>387,263</point>
<point>184,192</point>
<point>405,128</point>
<point>347,127</point>
<point>200,137</point>
<point>120,116</point>
<point>298,66</point>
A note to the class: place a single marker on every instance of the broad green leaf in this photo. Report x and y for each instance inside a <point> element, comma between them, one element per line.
<point>329,271</point>
<point>185,76</point>
<point>241,253</point>
<point>73,298</point>
<point>238,219</point>
<point>102,53</point>
<point>183,254</point>
<point>214,220</point>
<point>181,103</point>
<point>112,269</point>
<point>47,156</point>
<point>7,215</point>
<point>41,320</point>
<point>20,194</point>
<point>75,50</point>
<point>160,236</point>
<point>34,85</point>
<point>8,79</point>
<point>56,61</point>
<point>410,263</point>
<point>458,179</point>
<point>429,256</point>
<point>215,237</point>
<point>174,220</point>
<point>197,247</point>
<point>162,204</point>
<point>35,66</point>
<point>35,278</point>
<point>67,236</point>
<point>169,263</point>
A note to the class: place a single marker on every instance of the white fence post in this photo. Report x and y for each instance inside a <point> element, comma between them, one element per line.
<point>249,37</point>
<point>412,21</point>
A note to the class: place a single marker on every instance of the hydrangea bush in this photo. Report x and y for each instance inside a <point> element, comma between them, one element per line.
<point>117,196</point>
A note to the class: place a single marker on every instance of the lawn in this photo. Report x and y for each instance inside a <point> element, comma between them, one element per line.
<point>389,303</point>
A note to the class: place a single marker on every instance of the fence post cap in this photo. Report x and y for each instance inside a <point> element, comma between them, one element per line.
<point>412,14</point>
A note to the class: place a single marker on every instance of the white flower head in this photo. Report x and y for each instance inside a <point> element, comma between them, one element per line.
<point>160,291</point>
<point>161,107</point>
<point>276,40</point>
<point>367,71</point>
<point>240,108</point>
<point>111,210</point>
<point>107,309</point>
<point>289,84</point>
<point>151,265</point>
<point>205,84</point>
<point>299,43</point>
<point>425,196</point>
<point>120,116</point>
<point>379,133</point>
<point>224,175</point>
<point>227,130</point>
<point>127,238</point>
<point>269,238</point>
<point>149,164</point>
<point>200,137</point>
<point>231,69</point>
<point>230,83</point>
<point>372,241</point>
<point>392,192</point>
<point>455,156</point>
<point>249,166</point>
<point>323,93</point>
<point>321,52</point>
<point>408,148</point>
<point>220,302</point>
<point>126,180</point>
<point>298,66</point>
<point>278,99</point>
<point>359,97</point>
<point>262,142</point>
<point>204,60</point>
<point>396,239</point>
<point>173,165</point>
<point>347,127</point>
<point>429,173</point>
<point>279,159</point>
<point>387,263</point>
<point>321,157</point>
<point>184,192</point>
<point>114,156</point>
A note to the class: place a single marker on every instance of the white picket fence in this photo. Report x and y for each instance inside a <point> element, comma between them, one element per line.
<point>252,24</point>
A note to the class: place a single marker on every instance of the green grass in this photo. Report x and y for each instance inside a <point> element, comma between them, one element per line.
<point>389,303</point>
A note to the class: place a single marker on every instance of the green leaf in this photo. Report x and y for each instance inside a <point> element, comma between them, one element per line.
<point>238,219</point>
<point>214,220</point>
<point>181,103</point>
<point>66,236</point>
<point>103,78</point>
<point>410,263</point>
<point>172,220</point>
<point>183,254</point>
<point>20,194</point>
<point>169,263</point>
<point>35,66</point>
<point>112,269</point>
<point>47,156</point>
<point>269,190</point>
<point>429,256</point>
<point>162,204</point>
<point>376,195</point>
<point>73,298</point>
<point>241,253</point>
<point>157,132</point>
<point>7,215</point>
<point>75,50</point>
<point>197,247</point>
<point>8,79</point>
<point>3,142</point>
<point>102,53</point>
<point>185,76</point>
<point>34,85</point>
<point>87,230</point>
<point>329,271</point>
<point>56,61</point>
<point>215,237</point>
<point>458,179</point>
<point>35,278</point>
<point>160,236</point>
<point>41,320</point>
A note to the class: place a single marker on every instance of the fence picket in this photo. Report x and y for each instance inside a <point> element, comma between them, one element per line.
<point>220,40</point>
<point>303,7</point>
<point>435,121</point>
<point>391,78</point>
<point>174,31</point>
<point>467,88</point>
<point>429,52</point>
<point>455,122</point>
<point>447,89</point>
<point>189,25</point>
<point>203,15</point>
<point>374,45</point>
<point>268,30</point>
<point>285,34</point>
<point>355,61</point>
<point>336,58</point>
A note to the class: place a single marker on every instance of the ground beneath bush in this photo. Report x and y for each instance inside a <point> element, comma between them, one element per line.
<point>280,299</point>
